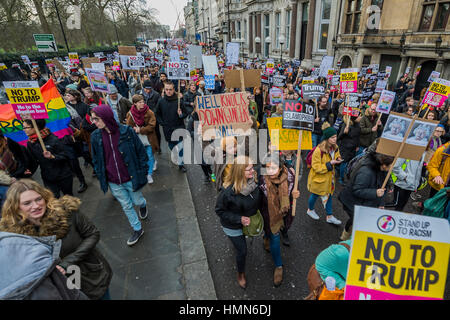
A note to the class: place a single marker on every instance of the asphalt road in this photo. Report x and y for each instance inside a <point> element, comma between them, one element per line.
<point>307,236</point>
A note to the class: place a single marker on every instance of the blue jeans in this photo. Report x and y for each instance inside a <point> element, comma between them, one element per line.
<point>342,168</point>
<point>127,198</point>
<point>275,248</point>
<point>179,145</point>
<point>312,201</point>
<point>315,139</point>
<point>151,159</point>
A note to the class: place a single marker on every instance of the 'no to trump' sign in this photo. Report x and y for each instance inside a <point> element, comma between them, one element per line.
<point>26,98</point>
<point>397,256</point>
<point>178,70</point>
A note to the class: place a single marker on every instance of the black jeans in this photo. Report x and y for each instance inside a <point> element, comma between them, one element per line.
<point>401,197</point>
<point>241,251</point>
<point>349,222</point>
<point>63,185</point>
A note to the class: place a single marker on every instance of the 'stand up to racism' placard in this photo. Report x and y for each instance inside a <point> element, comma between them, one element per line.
<point>397,256</point>
<point>224,115</point>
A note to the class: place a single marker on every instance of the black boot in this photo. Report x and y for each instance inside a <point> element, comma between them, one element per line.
<point>285,237</point>
<point>83,187</point>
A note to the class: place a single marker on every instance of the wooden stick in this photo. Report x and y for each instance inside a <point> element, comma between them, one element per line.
<point>39,135</point>
<point>399,151</point>
<point>178,95</point>
<point>297,168</point>
<point>241,74</point>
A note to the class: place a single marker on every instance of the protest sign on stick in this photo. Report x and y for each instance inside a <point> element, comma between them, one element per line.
<point>178,70</point>
<point>349,80</point>
<point>252,78</point>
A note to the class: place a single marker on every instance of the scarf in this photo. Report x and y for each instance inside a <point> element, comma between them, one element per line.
<point>249,187</point>
<point>277,199</point>
<point>44,134</point>
<point>139,115</point>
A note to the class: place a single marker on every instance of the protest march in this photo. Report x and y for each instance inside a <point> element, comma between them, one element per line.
<point>260,131</point>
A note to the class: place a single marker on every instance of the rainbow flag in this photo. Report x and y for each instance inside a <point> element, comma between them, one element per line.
<point>58,116</point>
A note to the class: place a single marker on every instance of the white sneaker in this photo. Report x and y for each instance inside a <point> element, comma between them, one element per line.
<point>149,179</point>
<point>333,220</point>
<point>155,165</point>
<point>312,214</point>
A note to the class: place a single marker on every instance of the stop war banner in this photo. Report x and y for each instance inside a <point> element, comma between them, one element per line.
<point>224,115</point>
<point>397,256</point>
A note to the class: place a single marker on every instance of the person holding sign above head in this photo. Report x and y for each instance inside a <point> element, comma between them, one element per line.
<point>321,177</point>
<point>56,172</point>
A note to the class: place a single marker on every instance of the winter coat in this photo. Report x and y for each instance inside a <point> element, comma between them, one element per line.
<point>408,178</point>
<point>444,121</point>
<point>22,156</point>
<point>362,189</point>
<point>133,154</point>
<point>366,124</point>
<point>321,175</point>
<point>438,167</point>
<point>324,115</point>
<point>167,115</point>
<point>230,207</point>
<point>29,271</point>
<point>189,98</point>
<point>151,99</point>
<point>121,86</point>
<point>51,169</point>
<point>147,129</point>
<point>333,262</point>
<point>348,142</point>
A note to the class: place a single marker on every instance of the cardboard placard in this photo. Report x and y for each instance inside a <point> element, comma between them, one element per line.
<point>87,62</point>
<point>127,50</point>
<point>298,116</point>
<point>312,91</point>
<point>252,78</point>
<point>397,256</point>
<point>286,139</point>
<point>26,99</point>
<point>224,115</point>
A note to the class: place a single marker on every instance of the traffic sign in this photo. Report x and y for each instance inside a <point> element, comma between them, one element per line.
<point>45,42</point>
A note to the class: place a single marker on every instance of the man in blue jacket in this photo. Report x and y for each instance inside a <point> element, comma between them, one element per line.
<point>120,162</point>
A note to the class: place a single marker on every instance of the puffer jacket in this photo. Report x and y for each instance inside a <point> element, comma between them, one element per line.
<point>333,262</point>
<point>29,271</point>
<point>439,166</point>
<point>408,178</point>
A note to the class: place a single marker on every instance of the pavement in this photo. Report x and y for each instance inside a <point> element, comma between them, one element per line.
<point>169,262</point>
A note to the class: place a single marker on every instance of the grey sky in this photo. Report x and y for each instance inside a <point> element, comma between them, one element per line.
<point>168,10</point>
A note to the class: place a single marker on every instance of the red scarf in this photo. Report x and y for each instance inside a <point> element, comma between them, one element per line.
<point>44,133</point>
<point>139,115</point>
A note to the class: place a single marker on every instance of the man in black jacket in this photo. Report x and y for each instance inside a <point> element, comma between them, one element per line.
<point>190,96</point>
<point>171,118</point>
<point>121,85</point>
<point>323,116</point>
<point>55,167</point>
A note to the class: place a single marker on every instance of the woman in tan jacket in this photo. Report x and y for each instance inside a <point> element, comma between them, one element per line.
<point>143,121</point>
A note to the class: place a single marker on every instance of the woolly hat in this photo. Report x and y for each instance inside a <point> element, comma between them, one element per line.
<point>327,131</point>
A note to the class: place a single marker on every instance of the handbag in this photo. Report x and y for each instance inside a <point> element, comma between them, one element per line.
<point>142,137</point>
<point>256,226</point>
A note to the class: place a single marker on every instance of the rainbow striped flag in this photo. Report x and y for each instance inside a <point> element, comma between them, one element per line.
<point>58,116</point>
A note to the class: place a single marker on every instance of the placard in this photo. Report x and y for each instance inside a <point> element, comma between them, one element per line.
<point>127,50</point>
<point>195,56</point>
<point>87,62</point>
<point>224,115</point>
<point>210,81</point>
<point>275,96</point>
<point>98,66</point>
<point>437,93</point>
<point>397,256</point>
<point>73,58</point>
<point>210,65</point>
<point>286,139</point>
<point>252,78</point>
<point>97,80</point>
<point>279,81</point>
<point>178,70</point>
<point>3,66</point>
<point>349,80</point>
<point>136,62</point>
<point>381,85</point>
<point>325,65</point>
<point>298,116</point>
<point>433,76</point>
<point>26,99</point>
<point>232,53</point>
<point>312,91</point>
<point>385,102</point>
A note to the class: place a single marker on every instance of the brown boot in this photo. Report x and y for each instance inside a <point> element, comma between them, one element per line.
<point>278,276</point>
<point>267,244</point>
<point>241,280</point>
<point>346,235</point>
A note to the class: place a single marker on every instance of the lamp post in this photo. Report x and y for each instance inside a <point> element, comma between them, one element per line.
<point>281,41</point>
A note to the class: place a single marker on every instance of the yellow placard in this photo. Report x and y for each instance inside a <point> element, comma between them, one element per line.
<point>3,66</point>
<point>439,88</point>
<point>399,266</point>
<point>349,76</point>
<point>331,72</point>
<point>287,139</point>
<point>307,81</point>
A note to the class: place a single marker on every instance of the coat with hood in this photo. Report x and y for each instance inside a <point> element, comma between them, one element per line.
<point>167,115</point>
<point>439,165</point>
<point>321,175</point>
<point>79,238</point>
<point>408,173</point>
<point>349,142</point>
<point>122,106</point>
<point>364,182</point>
<point>368,136</point>
<point>333,262</point>
<point>118,156</point>
<point>29,271</point>
<point>189,98</point>
<point>151,99</point>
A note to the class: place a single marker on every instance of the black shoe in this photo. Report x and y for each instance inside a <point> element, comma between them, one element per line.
<point>143,213</point>
<point>135,237</point>
<point>207,179</point>
<point>285,238</point>
<point>82,188</point>
<point>182,168</point>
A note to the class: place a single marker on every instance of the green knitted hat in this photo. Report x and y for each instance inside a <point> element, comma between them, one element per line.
<point>328,133</point>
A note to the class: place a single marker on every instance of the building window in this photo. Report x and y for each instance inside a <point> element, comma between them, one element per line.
<point>366,61</point>
<point>437,11</point>
<point>353,16</point>
<point>277,29</point>
<point>324,23</point>
<point>288,28</point>
<point>266,34</point>
<point>239,34</point>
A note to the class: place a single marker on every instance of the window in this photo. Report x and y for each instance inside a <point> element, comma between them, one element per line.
<point>437,11</point>
<point>239,34</point>
<point>324,23</point>
<point>288,28</point>
<point>277,30</point>
<point>366,61</point>
<point>353,16</point>
<point>266,34</point>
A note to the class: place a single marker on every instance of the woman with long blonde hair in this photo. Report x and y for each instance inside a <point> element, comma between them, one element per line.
<point>238,200</point>
<point>33,210</point>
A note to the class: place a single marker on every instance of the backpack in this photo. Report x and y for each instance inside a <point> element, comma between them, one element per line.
<point>354,164</point>
<point>435,207</point>
<point>309,157</point>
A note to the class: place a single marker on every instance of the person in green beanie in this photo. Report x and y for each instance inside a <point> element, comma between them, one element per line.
<point>321,176</point>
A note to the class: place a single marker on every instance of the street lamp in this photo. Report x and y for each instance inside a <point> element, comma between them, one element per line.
<point>281,41</point>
